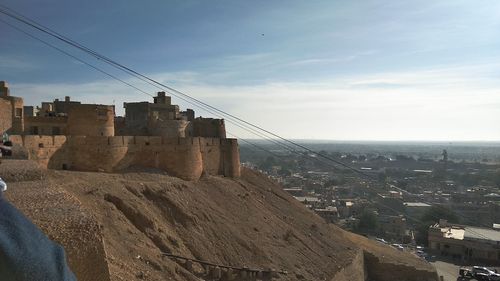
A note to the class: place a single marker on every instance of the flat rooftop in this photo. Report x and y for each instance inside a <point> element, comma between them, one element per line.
<point>465,232</point>
<point>416,204</point>
<point>307,198</point>
<point>481,233</point>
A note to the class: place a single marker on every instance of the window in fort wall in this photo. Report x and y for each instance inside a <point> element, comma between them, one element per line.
<point>102,114</point>
<point>19,112</point>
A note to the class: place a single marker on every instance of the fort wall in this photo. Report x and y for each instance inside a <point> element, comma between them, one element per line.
<point>14,123</point>
<point>43,125</point>
<point>379,270</point>
<point>5,115</point>
<point>17,115</point>
<point>168,128</point>
<point>186,158</point>
<point>91,120</point>
<point>209,127</point>
<point>354,271</point>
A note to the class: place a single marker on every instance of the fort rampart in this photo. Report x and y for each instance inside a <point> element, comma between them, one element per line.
<point>186,158</point>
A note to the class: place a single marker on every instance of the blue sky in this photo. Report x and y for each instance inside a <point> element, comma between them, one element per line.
<point>344,70</point>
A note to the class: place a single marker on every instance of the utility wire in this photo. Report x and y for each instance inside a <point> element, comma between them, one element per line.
<point>185,97</point>
<point>40,27</point>
<point>251,130</point>
<point>74,57</point>
<point>146,79</point>
<point>255,145</point>
<point>246,128</point>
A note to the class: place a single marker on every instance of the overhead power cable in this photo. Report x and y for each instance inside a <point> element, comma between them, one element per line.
<point>255,145</point>
<point>130,71</point>
<point>249,127</point>
<point>75,57</point>
<point>246,128</point>
<point>242,126</point>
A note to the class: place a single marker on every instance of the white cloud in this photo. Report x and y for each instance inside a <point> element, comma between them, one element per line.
<point>448,103</point>
<point>13,63</point>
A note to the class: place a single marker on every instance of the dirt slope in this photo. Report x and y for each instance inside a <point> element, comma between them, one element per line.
<point>243,222</point>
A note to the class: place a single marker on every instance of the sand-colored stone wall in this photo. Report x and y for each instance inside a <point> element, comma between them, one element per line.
<point>45,125</point>
<point>186,158</point>
<point>379,271</point>
<point>209,127</point>
<point>168,128</point>
<point>5,115</point>
<point>354,271</point>
<point>231,157</point>
<point>17,115</point>
<point>91,120</point>
<point>15,120</point>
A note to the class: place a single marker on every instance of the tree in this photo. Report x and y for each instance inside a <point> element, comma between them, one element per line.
<point>368,221</point>
<point>338,180</point>
<point>267,164</point>
<point>435,213</point>
<point>496,178</point>
<point>382,177</point>
<point>284,172</point>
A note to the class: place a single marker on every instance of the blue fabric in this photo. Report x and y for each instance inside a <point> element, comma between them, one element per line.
<point>26,254</point>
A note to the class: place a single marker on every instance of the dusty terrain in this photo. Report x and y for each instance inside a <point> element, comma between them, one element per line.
<point>115,226</point>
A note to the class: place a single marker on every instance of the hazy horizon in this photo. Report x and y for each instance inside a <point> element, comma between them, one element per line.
<point>496,142</point>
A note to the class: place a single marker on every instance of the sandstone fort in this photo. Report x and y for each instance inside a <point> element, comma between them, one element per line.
<point>66,134</point>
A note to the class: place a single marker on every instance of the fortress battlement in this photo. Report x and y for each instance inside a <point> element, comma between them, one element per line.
<point>66,134</point>
<point>186,158</point>
<point>55,141</point>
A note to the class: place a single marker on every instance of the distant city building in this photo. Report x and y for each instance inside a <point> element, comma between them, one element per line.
<point>310,201</point>
<point>466,243</point>
<point>329,213</point>
<point>394,227</point>
<point>295,191</point>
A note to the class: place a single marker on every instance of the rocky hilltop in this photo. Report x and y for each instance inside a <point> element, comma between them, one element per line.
<point>116,227</point>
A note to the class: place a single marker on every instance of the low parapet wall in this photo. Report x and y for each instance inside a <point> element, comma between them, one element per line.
<point>379,270</point>
<point>186,158</point>
<point>355,271</point>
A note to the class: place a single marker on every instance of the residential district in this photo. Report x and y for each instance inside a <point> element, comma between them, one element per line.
<point>434,205</point>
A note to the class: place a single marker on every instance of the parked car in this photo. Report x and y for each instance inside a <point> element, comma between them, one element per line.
<point>421,254</point>
<point>5,148</point>
<point>430,258</point>
<point>482,277</point>
<point>398,246</point>
<point>3,185</point>
<point>481,270</point>
<point>465,274</point>
<point>381,240</point>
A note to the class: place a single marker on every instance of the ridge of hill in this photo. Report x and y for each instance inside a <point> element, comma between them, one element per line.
<point>116,227</point>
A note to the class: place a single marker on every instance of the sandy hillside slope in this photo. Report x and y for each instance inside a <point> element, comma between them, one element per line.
<point>115,226</point>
